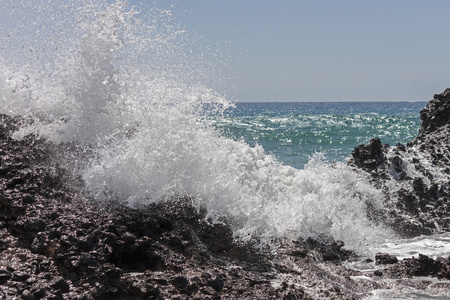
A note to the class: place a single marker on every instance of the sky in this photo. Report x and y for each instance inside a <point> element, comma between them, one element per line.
<point>327,50</point>
<point>315,50</point>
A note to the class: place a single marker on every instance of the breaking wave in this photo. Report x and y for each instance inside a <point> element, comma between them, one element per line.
<point>124,84</point>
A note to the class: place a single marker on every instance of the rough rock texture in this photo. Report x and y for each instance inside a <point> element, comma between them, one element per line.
<point>409,267</point>
<point>385,258</point>
<point>369,157</point>
<point>436,114</point>
<point>415,178</point>
<point>56,243</point>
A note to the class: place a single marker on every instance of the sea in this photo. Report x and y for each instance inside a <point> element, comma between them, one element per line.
<point>134,90</point>
<point>294,131</point>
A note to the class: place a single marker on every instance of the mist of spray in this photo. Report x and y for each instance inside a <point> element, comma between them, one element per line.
<point>125,85</point>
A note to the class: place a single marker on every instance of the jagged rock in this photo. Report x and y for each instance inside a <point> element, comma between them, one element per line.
<point>378,273</point>
<point>327,249</point>
<point>4,276</point>
<point>181,283</point>
<point>385,258</point>
<point>60,284</point>
<point>436,113</point>
<point>369,156</point>
<point>413,177</point>
<point>422,266</point>
<point>63,245</point>
<point>58,244</point>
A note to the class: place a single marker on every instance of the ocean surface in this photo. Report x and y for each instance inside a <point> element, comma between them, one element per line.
<point>294,131</point>
<point>126,87</point>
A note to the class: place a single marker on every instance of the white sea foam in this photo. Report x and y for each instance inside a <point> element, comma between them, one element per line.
<point>434,246</point>
<point>148,125</point>
<point>433,292</point>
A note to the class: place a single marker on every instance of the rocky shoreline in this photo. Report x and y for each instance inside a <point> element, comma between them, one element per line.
<point>415,177</point>
<point>57,243</point>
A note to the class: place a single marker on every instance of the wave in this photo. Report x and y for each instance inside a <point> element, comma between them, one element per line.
<point>124,88</point>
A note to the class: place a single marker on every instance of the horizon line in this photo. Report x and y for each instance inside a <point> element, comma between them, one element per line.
<point>339,101</point>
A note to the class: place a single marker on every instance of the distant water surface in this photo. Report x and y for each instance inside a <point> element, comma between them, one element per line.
<point>293,131</point>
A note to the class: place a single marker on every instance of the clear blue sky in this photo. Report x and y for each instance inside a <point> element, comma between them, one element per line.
<point>320,50</point>
<point>328,50</point>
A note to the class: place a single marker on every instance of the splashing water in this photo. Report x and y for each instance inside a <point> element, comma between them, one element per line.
<point>124,85</point>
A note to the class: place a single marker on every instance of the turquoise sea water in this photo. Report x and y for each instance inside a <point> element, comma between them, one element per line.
<point>294,131</point>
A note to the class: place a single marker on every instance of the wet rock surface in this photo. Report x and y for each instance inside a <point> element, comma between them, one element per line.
<point>369,157</point>
<point>436,114</point>
<point>415,177</point>
<point>57,243</point>
<point>422,266</point>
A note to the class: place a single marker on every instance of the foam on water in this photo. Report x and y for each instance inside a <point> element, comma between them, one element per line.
<point>121,91</point>
<point>437,245</point>
<point>431,293</point>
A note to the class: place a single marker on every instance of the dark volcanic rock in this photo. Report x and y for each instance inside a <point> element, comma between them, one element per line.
<point>384,259</point>
<point>325,248</point>
<point>422,266</point>
<point>369,156</point>
<point>437,113</point>
<point>415,178</point>
<point>56,243</point>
